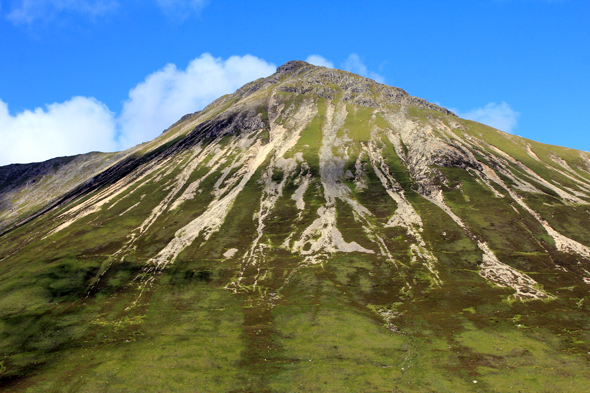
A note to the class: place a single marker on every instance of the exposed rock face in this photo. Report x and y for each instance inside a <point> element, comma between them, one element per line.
<point>312,206</point>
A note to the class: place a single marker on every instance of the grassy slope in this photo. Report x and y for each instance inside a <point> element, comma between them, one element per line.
<point>188,333</point>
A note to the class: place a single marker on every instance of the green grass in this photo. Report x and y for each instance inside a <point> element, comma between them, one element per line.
<point>311,139</point>
<point>358,123</point>
<point>512,359</point>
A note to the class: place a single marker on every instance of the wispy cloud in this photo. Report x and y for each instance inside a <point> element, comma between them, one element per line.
<point>85,124</point>
<point>356,65</point>
<point>500,116</point>
<point>28,11</point>
<point>181,8</point>
<point>319,61</point>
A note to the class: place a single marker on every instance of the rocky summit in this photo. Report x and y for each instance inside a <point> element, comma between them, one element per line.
<point>313,231</point>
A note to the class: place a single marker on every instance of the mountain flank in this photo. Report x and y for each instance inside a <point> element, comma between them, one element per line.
<point>313,231</point>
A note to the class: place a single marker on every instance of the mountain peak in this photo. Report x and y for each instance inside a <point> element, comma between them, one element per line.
<point>292,65</point>
<point>300,77</point>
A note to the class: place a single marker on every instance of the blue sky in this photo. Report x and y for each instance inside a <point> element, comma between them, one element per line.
<point>83,75</point>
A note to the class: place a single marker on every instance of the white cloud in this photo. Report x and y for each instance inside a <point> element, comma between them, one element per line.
<point>164,96</point>
<point>319,61</point>
<point>355,64</point>
<point>85,124</point>
<point>75,126</point>
<point>499,116</point>
<point>27,11</point>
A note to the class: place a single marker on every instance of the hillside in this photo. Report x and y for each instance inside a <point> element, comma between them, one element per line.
<point>313,231</point>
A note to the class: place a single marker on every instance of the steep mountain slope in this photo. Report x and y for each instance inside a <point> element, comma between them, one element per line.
<point>313,231</point>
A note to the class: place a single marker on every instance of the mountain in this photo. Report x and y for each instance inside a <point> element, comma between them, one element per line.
<point>313,231</point>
